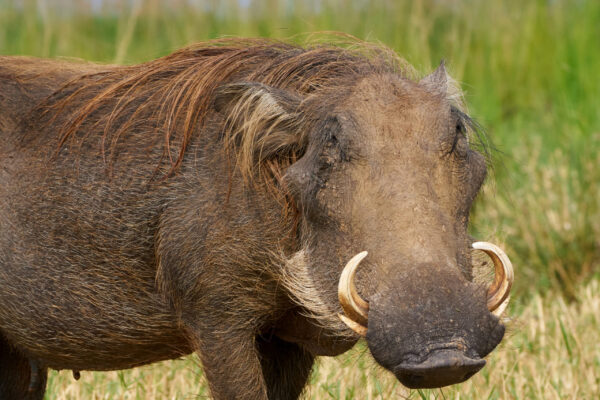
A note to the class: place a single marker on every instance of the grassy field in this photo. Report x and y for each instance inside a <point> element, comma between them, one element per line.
<point>530,75</point>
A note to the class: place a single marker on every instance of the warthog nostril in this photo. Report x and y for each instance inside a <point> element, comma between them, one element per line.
<point>442,368</point>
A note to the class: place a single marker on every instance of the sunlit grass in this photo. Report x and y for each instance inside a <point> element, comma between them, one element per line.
<point>551,351</point>
<point>547,213</point>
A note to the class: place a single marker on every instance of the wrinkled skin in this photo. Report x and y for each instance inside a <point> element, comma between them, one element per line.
<point>104,271</point>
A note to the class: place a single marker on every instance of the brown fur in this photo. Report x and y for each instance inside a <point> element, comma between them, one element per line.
<point>207,201</point>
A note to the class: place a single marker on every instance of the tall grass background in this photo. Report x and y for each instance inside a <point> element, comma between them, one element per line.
<point>531,75</point>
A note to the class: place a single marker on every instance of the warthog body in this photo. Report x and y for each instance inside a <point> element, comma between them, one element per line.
<point>208,201</point>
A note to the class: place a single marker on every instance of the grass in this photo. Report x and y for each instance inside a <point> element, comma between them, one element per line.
<point>550,352</point>
<point>548,216</point>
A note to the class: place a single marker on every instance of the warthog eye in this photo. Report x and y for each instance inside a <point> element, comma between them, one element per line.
<point>461,132</point>
<point>460,128</point>
<point>333,139</point>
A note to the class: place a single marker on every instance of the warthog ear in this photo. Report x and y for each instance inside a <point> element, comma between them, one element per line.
<point>261,123</point>
<point>437,81</point>
<point>227,97</point>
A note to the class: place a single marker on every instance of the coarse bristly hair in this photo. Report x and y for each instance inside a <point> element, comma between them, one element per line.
<point>173,96</point>
<point>175,93</point>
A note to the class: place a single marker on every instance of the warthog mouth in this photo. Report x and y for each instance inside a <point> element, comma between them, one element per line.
<point>441,368</point>
<point>356,309</point>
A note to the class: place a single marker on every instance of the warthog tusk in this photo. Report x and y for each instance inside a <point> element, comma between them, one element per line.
<point>499,291</point>
<point>355,326</point>
<point>355,308</point>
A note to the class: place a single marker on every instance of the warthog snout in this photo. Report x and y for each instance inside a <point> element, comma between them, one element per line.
<point>441,368</point>
<point>357,309</point>
<point>428,324</point>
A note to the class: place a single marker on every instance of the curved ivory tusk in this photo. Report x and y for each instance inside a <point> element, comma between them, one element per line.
<point>355,308</point>
<point>355,326</point>
<point>499,291</point>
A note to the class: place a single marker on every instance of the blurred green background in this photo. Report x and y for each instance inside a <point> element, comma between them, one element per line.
<point>530,71</point>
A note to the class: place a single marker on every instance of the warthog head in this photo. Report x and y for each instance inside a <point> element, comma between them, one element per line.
<point>384,184</point>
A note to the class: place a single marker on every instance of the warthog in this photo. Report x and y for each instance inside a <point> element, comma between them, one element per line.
<point>220,199</point>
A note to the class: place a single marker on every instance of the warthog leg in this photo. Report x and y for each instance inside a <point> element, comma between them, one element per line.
<point>242,365</point>
<point>231,364</point>
<point>286,367</point>
<point>20,378</point>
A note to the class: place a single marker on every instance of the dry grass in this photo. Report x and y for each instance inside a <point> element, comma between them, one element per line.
<point>547,211</point>
<point>551,351</point>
